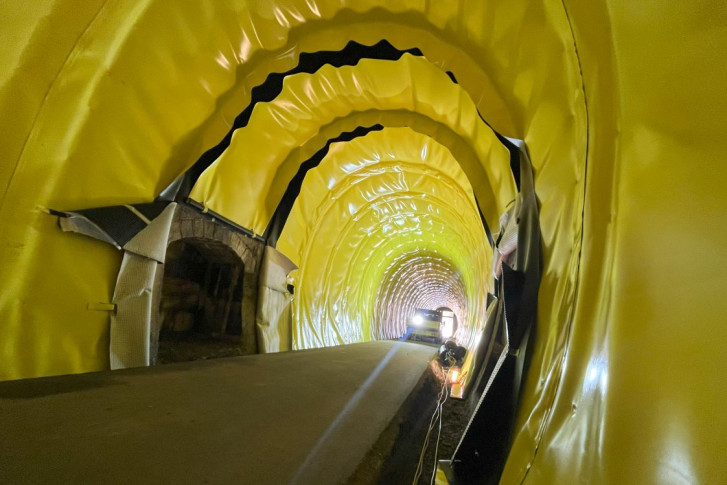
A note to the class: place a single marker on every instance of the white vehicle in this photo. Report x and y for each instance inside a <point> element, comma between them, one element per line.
<point>425,325</point>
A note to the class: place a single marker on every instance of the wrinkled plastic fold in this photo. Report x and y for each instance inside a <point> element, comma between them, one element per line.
<point>237,184</point>
<point>106,103</point>
<point>385,200</point>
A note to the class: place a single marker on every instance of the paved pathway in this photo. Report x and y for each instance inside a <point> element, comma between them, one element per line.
<point>303,417</point>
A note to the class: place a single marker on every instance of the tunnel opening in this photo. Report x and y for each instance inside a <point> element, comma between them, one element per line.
<point>420,280</point>
<point>449,322</point>
<point>201,302</point>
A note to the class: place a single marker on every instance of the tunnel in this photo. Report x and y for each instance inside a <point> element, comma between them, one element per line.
<point>289,176</point>
<point>201,299</point>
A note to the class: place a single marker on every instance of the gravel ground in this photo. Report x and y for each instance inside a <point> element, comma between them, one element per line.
<point>454,421</point>
<point>185,349</point>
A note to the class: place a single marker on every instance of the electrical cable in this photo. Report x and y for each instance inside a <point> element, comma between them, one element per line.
<point>420,465</point>
<point>436,418</point>
<point>439,433</point>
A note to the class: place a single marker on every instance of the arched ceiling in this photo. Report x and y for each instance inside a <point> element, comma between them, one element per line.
<point>100,127</point>
<point>108,102</point>
<point>309,101</point>
<point>382,201</point>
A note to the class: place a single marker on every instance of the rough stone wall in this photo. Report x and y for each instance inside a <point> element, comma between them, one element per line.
<point>190,224</point>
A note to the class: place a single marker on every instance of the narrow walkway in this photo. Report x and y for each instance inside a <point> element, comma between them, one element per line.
<point>301,417</point>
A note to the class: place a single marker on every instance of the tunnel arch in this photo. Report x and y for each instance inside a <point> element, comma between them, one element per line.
<point>150,16</point>
<point>463,152</point>
<point>209,237</point>
<point>543,57</point>
<point>375,152</point>
<point>153,157</point>
<point>370,160</point>
<point>400,293</point>
<point>201,299</point>
<point>434,225</point>
<point>311,100</point>
<point>507,80</point>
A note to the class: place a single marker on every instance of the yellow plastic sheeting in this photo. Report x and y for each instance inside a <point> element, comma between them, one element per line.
<point>108,103</point>
<point>418,281</point>
<point>637,396</point>
<point>374,203</point>
<point>89,123</point>
<point>75,337</point>
<point>233,47</point>
<point>462,151</point>
<point>348,164</point>
<point>236,184</point>
<point>340,306</point>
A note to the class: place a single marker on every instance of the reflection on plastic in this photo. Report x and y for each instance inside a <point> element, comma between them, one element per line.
<point>386,224</point>
<point>628,88</point>
<point>236,186</point>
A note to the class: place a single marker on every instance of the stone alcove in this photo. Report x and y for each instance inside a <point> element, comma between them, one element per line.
<point>206,292</point>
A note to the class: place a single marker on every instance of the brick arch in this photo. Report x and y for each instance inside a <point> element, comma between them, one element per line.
<point>194,228</point>
<point>188,224</point>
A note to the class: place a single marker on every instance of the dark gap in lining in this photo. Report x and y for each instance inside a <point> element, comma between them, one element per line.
<point>309,63</point>
<point>514,157</point>
<point>280,216</point>
<point>277,222</point>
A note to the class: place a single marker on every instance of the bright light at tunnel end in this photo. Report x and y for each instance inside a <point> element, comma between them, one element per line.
<point>448,329</point>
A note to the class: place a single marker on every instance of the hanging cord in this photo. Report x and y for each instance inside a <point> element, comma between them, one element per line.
<point>439,432</point>
<point>436,418</point>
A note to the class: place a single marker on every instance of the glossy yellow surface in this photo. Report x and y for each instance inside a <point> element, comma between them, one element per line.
<point>634,395</point>
<point>465,154</point>
<point>238,183</point>
<point>622,107</point>
<point>388,199</point>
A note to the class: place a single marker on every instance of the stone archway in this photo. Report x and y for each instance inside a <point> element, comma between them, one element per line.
<point>206,292</point>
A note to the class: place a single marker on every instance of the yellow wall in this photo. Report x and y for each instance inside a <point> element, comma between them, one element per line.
<point>378,202</point>
<point>621,105</point>
<point>636,398</point>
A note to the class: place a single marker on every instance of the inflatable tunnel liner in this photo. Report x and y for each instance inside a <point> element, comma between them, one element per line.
<point>502,358</point>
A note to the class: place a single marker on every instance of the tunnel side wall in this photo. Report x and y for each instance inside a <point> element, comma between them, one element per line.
<point>626,383</point>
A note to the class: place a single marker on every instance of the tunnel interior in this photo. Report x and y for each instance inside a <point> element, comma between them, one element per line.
<point>201,301</point>
<point>350,162</point>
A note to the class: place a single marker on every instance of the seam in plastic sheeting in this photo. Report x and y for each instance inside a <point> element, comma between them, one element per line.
<point>272,232</point>
<point>577,271</point>
<point>463,152</point>
<point>359,170</point>
<point>311,100</point>
<point>309,63</point>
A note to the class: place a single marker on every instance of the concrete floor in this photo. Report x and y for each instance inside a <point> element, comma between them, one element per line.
<point>295,417</point>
